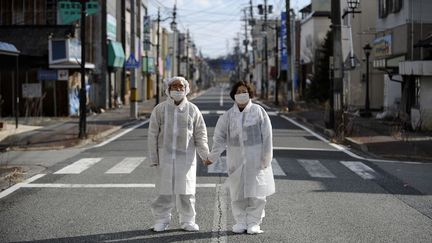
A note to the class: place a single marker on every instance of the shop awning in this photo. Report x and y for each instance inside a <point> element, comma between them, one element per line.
<point>116,56</point>
<point>8,49</point>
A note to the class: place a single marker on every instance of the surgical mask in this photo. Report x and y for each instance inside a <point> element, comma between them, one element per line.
<point>242,98</point>
<point>177,95</point>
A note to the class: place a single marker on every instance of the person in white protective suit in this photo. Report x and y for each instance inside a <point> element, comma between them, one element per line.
<point>245,132</point>
<point>176,132</point>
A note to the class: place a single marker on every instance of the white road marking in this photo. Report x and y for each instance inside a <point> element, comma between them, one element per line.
<point>272,113</point>
<point>360,169</point>
<point>129,185</point>
<point>306,149</point>
<point>277,170</point>
<point>121,134</point>
<point>221,97</point>
<point>220,215</point>
<point>79,166</point>
<point>220,167</point>
<point>19,185</point>
<point>217,112</point>
<point>315,168</point>
<point>126,166</point>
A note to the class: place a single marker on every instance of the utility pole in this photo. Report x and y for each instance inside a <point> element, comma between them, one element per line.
<point>246,43</point>
<point>134,93</point>
<point>266,50</point>
<point>288,51</point>
<point>157,57</point>
<point>83,94</point>
<point>276,51</point>
<point>187,57</point>
<point>336,96</point>
<point>252,21</point>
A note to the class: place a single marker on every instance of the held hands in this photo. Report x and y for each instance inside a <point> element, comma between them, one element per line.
<point>207,162</point>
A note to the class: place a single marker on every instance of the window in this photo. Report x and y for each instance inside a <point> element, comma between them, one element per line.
<point>18,12</point>
<point>397,6</point>
<point>417,92</point>
<point>28,12</point>
<point>5,12</point>
<point>385,7</point>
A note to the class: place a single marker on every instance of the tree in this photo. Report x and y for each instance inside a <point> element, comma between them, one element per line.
<point>320,86</point>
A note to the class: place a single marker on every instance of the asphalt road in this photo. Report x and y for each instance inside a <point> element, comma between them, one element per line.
<point>323,194</point>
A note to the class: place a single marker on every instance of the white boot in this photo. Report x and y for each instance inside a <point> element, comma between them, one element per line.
<point>254,229</point>
<point>190,226</point>
<point>239,228</point>
<point>159,227</point>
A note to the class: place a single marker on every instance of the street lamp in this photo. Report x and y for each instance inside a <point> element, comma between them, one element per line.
<point>367,50</point>
<point>352,5</point>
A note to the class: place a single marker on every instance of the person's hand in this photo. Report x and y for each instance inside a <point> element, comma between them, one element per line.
<point>207,162</point>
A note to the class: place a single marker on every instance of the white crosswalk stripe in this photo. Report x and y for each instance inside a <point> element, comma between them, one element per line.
<point>126,166</point>
<point>220,167</point>
<point>79,166</point>
<point>315,168</point>
<point>360,169</point>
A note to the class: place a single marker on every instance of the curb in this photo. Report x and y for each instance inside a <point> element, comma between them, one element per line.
<point>357,145</point>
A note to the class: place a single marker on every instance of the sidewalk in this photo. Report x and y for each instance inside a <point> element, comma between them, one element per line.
<point>377,138</point>
<point>58,133</point>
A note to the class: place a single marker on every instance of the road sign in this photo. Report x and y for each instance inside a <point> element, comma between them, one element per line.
<point>132,62</point>
<point>71,11</point>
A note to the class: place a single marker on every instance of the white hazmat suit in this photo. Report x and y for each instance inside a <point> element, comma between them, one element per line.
<point>247,137</point>
<point>176,133</point>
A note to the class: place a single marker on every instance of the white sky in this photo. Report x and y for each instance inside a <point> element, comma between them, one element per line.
<point>213,24</point>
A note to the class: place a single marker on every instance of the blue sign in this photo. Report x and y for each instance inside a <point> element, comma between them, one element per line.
<point>132,62</point>
<point>228,65</point>
<point>283,31</point>
<point>44,74</point>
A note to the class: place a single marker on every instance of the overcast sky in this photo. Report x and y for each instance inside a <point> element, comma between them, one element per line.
<point>213,24</point>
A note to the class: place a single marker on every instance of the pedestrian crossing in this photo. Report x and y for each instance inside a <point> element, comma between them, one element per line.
<point>313,168</point>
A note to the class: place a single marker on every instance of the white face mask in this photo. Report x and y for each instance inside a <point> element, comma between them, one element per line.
<point>242,98</point>
<point>177,95</point>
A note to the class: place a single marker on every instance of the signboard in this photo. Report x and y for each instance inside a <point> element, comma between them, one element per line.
<point>132,62</point>
<point>146,24</point>
<point>33,90</point>
<point>146,33</point>
<point>383,46</point>
<point>63,74</point>
<point>111,27</point>
<point>148,64</point>
<point>44,74</point>
<point>71,11</point>
<point>283,54</point>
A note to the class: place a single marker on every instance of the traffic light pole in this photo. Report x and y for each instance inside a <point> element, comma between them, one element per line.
<point>83,93</point>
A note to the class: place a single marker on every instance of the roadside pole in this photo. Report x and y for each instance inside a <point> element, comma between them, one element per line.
<point>83,93</point>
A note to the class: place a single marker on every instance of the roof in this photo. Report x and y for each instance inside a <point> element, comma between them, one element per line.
<point>33,40</point>
<point>8,49</point>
